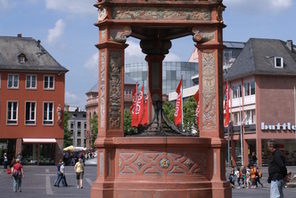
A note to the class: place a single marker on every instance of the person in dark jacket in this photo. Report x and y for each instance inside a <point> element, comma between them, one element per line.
<point>277,171</point>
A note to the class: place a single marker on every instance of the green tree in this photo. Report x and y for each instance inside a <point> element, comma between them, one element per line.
<point>169,110</point>
<point>94,129</point>
<point>127,121</point>
<point>67,133</point>
<point>189,118</point>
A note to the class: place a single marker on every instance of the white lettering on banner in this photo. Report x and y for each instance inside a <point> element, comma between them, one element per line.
<point>138,108</point>
<point>277,127</point>
<point>177,105</point>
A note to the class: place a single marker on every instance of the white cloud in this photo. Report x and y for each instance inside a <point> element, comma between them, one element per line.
<point>172,57</point>
<point>73,6</point>
<point>92,62</point>
<point>73,99</point>
<point>262,5</point>
<point>133,53</point>
<point>55,33</point>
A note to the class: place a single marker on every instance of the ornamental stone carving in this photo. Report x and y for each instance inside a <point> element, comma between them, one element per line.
<point>161,13</point>
<point>115,96</point>
<point>204,35</point>
<point>159,163</point>
<point>120,35</point>
<point>102,90</point>
<point>208,90</point>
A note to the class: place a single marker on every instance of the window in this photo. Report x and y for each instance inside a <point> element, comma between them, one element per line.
<point>250,117</point>
<point>78,142</point>
<point>78,133</point>
<point>237,91</point>
<point>278,62</point>
<point>22,58</point>
<point>78,125</point>
<point>31,81</point>
<point>71,125</point>
<point>12,112</point>
<point>13,80</point>
<point>48,113</point>
<point>249,88</point>
<point>236,118</point>
<point>30,113</point>
<point>48,82</point>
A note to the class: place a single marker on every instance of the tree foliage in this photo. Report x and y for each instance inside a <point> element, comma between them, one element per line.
<point>67,134</point>
<point>127,121</point>
<point>94,129</point>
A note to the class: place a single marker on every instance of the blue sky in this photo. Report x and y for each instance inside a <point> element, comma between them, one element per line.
<point>66,30</point>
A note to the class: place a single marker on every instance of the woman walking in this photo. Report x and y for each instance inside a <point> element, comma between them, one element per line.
<point>79,170</point>
<point>17,174</point>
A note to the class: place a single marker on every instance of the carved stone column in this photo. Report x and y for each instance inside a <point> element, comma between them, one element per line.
<point>210,50</point>
<point>155,50</point>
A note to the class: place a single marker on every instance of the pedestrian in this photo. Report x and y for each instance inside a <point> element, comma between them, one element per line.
<point>277,171</point>
<point>79,170</point>
<point>253,176</point>
<point>17,174</point>
<point>259,176</point>
<point>5,161</point>
<point>63,176</point>
<point>248,177</point>
<point>238,176</point>
<point>58,174</point>
<point>254,159</point>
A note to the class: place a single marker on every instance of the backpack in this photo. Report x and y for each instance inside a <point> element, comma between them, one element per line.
<point>16,173</point>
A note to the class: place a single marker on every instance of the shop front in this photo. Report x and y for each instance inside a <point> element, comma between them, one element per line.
<point>7,146</point>
<point>39,151</point>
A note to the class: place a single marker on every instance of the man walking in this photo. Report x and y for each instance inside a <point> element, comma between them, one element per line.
<point>277,171</point>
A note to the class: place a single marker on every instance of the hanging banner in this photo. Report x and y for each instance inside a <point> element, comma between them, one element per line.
<point>226,106</point>
<point>196,97</point>
<point>178,109</point>
<point>133,108</point>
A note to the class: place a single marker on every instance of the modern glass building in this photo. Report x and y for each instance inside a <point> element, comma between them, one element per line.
<point>171,74</point>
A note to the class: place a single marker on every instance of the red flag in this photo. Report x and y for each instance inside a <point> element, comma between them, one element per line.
<point>178,109</point>
<point>226,106</point>
<point>196,97</point>
<point>145,120</point>
<point>139,111</point>
<point>133,108</point>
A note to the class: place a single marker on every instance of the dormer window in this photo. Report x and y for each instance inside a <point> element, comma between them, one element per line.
<point>22,58</point>
<point>278,62</point>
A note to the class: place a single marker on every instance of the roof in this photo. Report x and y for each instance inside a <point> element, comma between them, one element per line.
<point>37,58</point>
<point>127,81</point>
<point>257,58</point>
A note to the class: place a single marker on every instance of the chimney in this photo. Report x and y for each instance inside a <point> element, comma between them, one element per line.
<point>19,35</point>
<point>289,44</point>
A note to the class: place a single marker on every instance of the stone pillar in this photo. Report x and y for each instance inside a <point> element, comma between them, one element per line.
<point>156,51</point>
<point>110,103</point>
<point>210,50</point>
<point>18,147</point>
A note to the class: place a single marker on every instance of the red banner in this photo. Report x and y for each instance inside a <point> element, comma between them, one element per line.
<point>178,109</point>
<point>133,108</point>
<point>196,97</point>
<point>226,106</point>
<point>145,120</point>
<point>140,102</point>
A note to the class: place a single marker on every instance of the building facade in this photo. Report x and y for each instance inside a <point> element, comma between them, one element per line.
<point>31,101</point>
<point>77,127</point>
<point>262,101</point>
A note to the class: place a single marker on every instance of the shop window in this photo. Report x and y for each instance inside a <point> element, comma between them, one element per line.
<point>12,112</point>
<point>48,82</point>
<point>31,81</point>
<point>13,81</point>
<point>30,113</point>
<point>47,113</point>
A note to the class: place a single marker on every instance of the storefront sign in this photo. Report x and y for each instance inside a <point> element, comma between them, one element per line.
<point>278,127</point>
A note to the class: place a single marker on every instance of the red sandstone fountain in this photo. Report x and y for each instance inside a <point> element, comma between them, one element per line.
<point>159,166</point>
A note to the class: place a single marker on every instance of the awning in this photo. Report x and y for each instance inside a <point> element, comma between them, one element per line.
<point>39,140</point>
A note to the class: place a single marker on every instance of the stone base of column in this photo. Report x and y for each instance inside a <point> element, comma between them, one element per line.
<point>157,167</point>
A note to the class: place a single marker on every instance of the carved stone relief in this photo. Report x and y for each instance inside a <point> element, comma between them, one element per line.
<point>120,35</point>
<point>102,14</point>
<point>158,163</point>
<point>203,35</point>
<point>161,13</point>
<point>102,90</point>
<point>115,96</point>
<point>208,90</point>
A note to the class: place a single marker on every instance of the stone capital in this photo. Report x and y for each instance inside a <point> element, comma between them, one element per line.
<point>202,35</point>
<point>155,47</point>
<point>120,34</point>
